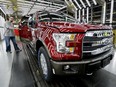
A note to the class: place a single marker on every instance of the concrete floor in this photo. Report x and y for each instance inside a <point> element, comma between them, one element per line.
<point>15,71</point>
<point>112,66</point>
<point>14,68</point>
<point>6,60</point>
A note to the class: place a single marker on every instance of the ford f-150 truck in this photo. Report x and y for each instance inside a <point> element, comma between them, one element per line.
<point>64,46</point>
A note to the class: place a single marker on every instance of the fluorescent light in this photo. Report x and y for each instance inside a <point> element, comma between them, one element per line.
<point>75,14</point>
<point>88,3</point>
<point>77,4</point>
<point>104,12</point>
<point>94,1</point>
<point>111,11</point>
<point>79,15</point>
<point>83,3</point>
<point>83,12</point>
<point>87,14</point>
<point>48,2</point>
<point>73,4</point>
<point>66,2</point>
<point>2,10</point>
<point>61,8</point>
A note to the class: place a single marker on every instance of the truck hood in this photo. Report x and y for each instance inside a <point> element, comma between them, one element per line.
<point>74,27</point>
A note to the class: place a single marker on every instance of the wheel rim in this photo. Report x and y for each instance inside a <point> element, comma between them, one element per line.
<point>43,64</point>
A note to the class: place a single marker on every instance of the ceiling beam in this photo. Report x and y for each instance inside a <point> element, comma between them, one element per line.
<point>82,3</point>
<point>32,5</point>
<point>77,4</point>
<point>53,3</point>
<point>61,8</point>
<point>88,3</point>
<point>94,1</point>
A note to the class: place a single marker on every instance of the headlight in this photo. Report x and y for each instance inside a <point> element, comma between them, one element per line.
<point>61,39</point>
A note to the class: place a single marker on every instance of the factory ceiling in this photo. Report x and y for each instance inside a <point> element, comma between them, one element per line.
<point>25,7</point>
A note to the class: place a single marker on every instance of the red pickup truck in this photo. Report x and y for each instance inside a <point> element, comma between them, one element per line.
<point>65,46</point>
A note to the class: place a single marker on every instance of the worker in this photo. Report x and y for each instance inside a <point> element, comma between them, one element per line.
<point>9,35</point>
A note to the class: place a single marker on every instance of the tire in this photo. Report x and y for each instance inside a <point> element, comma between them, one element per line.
<point>44,65</point>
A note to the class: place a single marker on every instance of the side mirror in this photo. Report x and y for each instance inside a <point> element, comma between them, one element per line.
<point>32,24</point>
<point>24,23</point>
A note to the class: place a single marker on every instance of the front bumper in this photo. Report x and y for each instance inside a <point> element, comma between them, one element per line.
<point>83,66</point>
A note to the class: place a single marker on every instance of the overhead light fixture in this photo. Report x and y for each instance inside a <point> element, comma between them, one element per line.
<point>88,3</point>
<point>79,15</point>
<point>2,10</point>
<point>70,4</point>
<point>45,1</point>
<point>77,4</point>
<point>104,13</point>
<point>61,8</point>
<point>87,14</point>
<point>83,13</point>
<point>83,3</point>
<point>66,2</point>
<point>73,5</point>
<point>94,1</point>
<point>111,11</point>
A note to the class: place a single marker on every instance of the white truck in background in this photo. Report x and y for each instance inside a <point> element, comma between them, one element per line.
<point>2,21</point>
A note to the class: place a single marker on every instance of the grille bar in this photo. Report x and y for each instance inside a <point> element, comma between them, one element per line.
<point>94,45</point>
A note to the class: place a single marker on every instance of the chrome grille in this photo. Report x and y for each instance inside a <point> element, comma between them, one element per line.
<point>96,44</point>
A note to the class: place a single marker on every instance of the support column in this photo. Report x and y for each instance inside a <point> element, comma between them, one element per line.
<point>111,12</point>
<point>92,14</point>
<point>79,15</point>
<point>83,11</point>
<point>83,15</point>
<point>104,13</point>
<point>75,14</point>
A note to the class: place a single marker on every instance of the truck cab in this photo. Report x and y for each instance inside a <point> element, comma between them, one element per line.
<point>64,46</point>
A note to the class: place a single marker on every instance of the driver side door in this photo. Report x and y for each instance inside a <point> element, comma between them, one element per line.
<point>24,30</point>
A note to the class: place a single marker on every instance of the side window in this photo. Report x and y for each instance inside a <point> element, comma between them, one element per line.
<point>31,22</point>
<point>44,18</point>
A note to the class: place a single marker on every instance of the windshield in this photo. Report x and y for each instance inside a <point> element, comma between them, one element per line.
<point>52,16</point>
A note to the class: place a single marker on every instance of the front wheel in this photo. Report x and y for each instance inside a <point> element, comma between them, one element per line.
<point>44,64</point>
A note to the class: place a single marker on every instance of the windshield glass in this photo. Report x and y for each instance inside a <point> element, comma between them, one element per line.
<point>52,16</point>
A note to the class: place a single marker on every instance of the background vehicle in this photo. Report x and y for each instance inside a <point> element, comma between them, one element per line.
<point>64,46</point>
